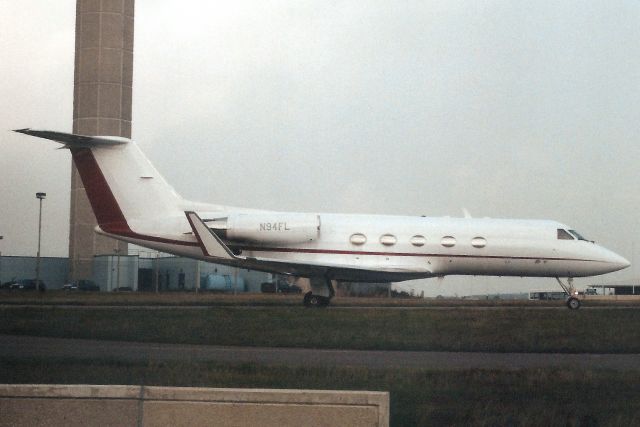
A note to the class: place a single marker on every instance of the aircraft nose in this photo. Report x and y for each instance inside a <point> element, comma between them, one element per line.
<point>615,261</point>
<point>622,262</point>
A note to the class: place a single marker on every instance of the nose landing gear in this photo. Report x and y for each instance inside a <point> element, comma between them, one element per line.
<point>572,302</point>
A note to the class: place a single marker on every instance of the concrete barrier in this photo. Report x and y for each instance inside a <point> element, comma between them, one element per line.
<point>83,405</point>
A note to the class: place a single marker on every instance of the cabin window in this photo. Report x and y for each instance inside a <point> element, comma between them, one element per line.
<point>576,235</point>
<point>448,241</point>
<point>418,240</point>
<point>358,239</point>
<point>563,235</point>
<point>478,242</point>
<point>388,239</point>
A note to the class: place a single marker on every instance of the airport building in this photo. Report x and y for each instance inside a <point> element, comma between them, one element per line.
<point>54,271</point>
<point>138,272</point>
<point>625,287</point>
<point>147,271</point>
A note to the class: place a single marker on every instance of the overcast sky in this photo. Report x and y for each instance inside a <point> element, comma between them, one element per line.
<point>508,109</point>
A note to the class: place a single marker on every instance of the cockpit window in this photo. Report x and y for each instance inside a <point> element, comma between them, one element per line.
<point>563,235</point>
<point>577,235</point>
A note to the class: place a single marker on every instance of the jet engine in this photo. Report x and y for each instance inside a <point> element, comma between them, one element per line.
<point>268,227</point>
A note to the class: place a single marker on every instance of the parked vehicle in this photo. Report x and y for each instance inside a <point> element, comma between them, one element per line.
<point>281,288</point>
<point>7,285</point>
<point>27,285</point>
<point>81,285</point>
<point>547,295</point>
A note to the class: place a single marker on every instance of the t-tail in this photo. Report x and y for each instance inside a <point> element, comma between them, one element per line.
<point>129,197</point>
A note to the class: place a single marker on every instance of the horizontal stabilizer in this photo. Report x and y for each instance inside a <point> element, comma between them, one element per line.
<point>73,140</point>
<point>211,244</point>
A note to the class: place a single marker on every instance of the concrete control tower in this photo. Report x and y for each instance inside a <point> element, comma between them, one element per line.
<point>101,106</point>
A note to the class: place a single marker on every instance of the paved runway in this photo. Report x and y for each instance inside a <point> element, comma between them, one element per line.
<point>27,346</point>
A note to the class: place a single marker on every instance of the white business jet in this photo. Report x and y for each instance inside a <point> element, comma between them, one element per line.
<point>133,203</point>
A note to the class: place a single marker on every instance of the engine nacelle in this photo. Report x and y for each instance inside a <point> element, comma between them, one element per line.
<point>273,227</point>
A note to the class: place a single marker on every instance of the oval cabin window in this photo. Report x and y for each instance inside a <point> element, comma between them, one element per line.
<point>448,241</point>
<point>418,240</point>
<point>358,239</point>
<point>388,239</point>
<point>478,242</point>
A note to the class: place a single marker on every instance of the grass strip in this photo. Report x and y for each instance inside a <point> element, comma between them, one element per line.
<point>494,330</point>
<point>211,299</point>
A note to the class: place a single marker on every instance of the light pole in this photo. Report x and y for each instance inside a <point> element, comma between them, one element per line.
<point>1,237</point>
<point>41,197</point>
<point>117,251</point>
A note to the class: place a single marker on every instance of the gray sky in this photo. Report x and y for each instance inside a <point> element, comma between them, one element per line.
<point>509,109</point>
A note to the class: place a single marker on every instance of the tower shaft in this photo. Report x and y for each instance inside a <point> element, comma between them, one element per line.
<point>103,80</point>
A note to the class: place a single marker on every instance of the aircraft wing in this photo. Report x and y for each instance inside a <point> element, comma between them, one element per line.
<point>337,271</point>
<point>213,247</point>
<point>210,243</point>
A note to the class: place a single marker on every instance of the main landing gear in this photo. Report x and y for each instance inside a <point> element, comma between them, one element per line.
<point>572,302</point>
<point>320,294</point>
<point>313,300</point>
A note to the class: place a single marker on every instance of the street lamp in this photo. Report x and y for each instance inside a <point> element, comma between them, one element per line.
<point>117,252</point>
<point>1,237</point>
<point>41,197</point>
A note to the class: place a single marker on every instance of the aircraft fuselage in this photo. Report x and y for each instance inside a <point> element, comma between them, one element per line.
<point>395,248</point>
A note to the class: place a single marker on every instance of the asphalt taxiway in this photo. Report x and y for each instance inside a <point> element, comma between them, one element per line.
<point>20,346</point>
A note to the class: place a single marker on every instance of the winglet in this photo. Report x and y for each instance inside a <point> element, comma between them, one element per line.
<point>210,243</point>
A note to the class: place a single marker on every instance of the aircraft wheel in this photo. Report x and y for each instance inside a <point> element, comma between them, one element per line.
<point>573,303</point>
<point>311,300</point>
<point>305,300</point>
<point>315,301</point>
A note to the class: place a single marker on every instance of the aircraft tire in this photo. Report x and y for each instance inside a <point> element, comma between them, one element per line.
<point>573,303</point>
<point>311,300</point>
<point>314,301</point>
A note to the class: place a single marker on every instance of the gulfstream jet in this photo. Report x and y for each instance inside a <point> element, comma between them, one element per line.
<point>133,203</point>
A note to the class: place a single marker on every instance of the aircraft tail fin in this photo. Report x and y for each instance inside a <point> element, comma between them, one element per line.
<point>124,189</point>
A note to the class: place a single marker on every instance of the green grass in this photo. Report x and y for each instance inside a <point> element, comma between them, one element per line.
<point>470,329</point>
<point>418,397</point>
<point>60,297</point>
